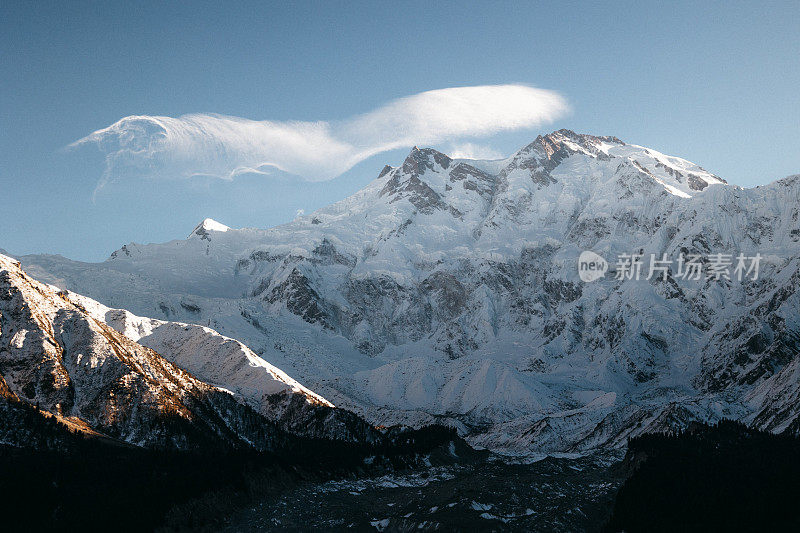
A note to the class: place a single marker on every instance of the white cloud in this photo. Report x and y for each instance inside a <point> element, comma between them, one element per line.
<point>224,146</point>
<point>473,151</point>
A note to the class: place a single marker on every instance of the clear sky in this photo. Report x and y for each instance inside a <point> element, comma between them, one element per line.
<point>716,83</point>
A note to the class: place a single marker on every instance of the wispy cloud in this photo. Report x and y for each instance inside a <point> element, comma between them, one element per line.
<point>224,146</point>
<point>473,151</point>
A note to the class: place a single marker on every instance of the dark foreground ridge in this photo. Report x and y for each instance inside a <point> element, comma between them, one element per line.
<point>710,478</point>
<point>70,480</point>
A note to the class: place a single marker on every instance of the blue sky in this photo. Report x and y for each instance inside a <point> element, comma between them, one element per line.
<point>715,83</point>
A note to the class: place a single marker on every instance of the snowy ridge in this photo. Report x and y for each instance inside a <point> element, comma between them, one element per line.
<point>213,358</point>
<point>79,370</point>
<point>97,370</point>
<point>208,225</point>
<point>447,290</point>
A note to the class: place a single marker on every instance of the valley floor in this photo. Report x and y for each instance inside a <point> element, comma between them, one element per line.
<point>553,494</point>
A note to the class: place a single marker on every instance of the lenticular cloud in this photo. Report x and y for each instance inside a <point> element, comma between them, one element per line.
<point>223,146</point>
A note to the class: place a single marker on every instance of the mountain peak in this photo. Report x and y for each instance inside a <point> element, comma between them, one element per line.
<point>570,141</point>
<point>206,226</point>
<point>419,159</point>
<point>210,224</point>
<point>582,138</point>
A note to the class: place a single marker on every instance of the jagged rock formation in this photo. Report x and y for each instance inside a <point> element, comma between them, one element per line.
<point>78,369</point>
<point>61,353</point>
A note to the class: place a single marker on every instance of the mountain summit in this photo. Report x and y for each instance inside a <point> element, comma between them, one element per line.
<point>208,225</point>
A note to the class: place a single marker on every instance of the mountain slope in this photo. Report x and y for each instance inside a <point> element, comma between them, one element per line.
<point>205,353</point>
<point>59,354</point>
<point>448,290</point>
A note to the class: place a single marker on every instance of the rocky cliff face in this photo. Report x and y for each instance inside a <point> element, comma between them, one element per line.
<point>78,362</point>
<point>76,368</point>
<point>448,290</point>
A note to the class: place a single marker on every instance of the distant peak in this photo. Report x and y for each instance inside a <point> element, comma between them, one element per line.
<point>582,139</point>
<point>208,225</point>
<point>566,141</point>
<point>385,171</point>
<point>420,159</point>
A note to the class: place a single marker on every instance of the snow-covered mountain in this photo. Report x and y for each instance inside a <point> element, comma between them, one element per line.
<point>149,382</point>
<point>448,290</point>
<point>78,369</point>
